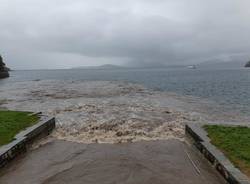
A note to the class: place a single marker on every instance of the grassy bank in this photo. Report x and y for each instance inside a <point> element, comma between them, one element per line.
<point>234,142</point>
<point>12,122</point>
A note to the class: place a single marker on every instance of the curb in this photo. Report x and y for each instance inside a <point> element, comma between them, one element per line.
<point>202,142</point>
<point>19,145</point>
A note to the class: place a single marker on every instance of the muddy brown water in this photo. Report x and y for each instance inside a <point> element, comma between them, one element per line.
<point>158,162</point>
<point>108,111</point>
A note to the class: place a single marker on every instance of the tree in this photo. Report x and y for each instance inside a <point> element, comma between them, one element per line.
<point>1,60</point>
<point>2,64</point>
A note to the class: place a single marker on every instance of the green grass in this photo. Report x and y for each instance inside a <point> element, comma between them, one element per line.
<point>12,122</point>
<point>234,142</point>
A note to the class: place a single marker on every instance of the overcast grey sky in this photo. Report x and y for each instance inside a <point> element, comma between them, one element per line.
<point>69,33</point>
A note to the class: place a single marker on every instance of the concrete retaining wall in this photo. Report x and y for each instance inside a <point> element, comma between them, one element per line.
<point>231,174</point>
<point>19,145</point>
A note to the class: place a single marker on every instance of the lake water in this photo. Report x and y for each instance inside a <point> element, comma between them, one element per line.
<point>229,88</point>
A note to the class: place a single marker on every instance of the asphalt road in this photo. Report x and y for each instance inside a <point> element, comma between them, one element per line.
<point>154,162</point>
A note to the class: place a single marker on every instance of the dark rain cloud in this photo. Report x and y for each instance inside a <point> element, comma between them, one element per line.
<point>66,33</point>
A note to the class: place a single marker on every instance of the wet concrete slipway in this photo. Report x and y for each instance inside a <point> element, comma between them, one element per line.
<point>150,162</point>
<point>108,132</point>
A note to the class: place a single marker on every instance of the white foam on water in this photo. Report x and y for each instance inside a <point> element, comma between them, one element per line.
<point>103,111</point>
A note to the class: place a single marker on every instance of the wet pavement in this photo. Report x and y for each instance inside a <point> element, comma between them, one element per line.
<point>146,162</point>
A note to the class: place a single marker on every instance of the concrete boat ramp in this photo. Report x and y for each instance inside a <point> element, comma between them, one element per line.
<point>145,162</point>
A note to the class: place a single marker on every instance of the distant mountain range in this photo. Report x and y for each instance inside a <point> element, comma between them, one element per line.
<point>206,65</point>
<point>106,66</point>
<point>111,66</point>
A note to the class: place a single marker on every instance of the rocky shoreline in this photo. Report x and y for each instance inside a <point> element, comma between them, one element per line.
<point>4,71</point>
<point>4,74</point>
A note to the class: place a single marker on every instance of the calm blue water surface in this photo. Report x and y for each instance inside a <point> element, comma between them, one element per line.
<point>230,88</point>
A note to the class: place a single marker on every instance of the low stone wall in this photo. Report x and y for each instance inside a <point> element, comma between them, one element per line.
<point>231,174</point>
<point>19,145</point>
